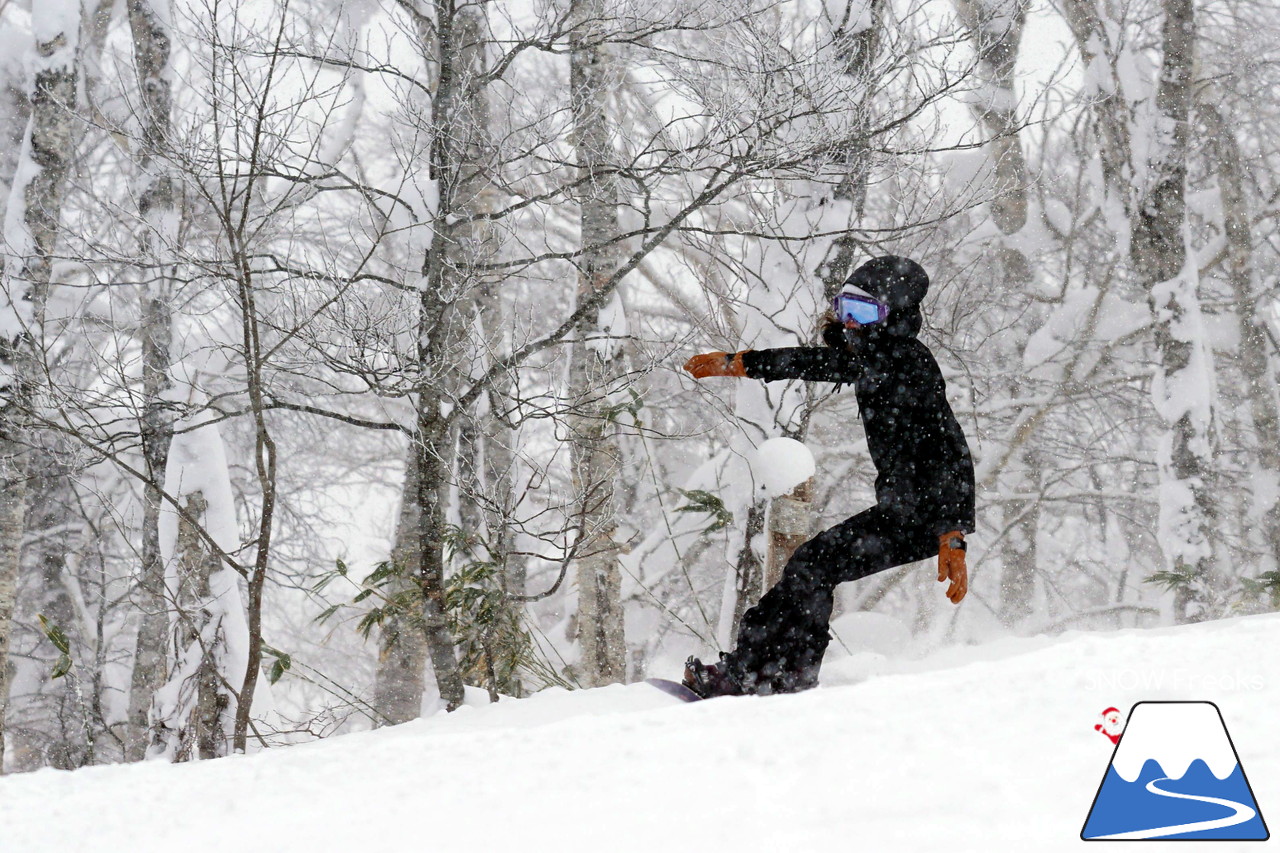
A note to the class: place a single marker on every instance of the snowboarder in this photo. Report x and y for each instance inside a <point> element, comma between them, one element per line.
<point>924,487</point>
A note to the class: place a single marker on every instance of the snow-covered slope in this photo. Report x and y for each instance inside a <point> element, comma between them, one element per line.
<point>989,748</point>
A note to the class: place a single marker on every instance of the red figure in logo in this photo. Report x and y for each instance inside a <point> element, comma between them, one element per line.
<point>1110,726</point>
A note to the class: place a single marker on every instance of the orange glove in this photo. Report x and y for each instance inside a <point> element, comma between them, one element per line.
<point>951,549</point>
<point>716,364</point>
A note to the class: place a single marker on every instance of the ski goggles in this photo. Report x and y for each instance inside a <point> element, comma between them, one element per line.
<point>863,310</point>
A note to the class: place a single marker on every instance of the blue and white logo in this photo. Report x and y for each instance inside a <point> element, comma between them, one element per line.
<point>1175,774</point>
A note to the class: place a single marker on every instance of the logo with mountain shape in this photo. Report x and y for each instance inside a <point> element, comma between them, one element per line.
<point>1175,774</point>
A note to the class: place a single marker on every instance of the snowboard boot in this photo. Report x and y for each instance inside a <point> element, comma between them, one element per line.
<point>717,679</point>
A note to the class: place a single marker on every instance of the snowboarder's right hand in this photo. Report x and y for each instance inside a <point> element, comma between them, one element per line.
<point>951,565</point>
<point>716,364</point>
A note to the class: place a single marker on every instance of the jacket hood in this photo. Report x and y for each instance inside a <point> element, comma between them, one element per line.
<point>900,283</point>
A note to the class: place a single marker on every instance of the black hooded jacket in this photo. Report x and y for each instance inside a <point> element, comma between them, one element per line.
<point>925,471</point>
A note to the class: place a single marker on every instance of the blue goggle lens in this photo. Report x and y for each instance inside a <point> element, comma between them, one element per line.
<point>861,309</point>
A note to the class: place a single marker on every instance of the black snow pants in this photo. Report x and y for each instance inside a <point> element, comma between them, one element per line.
<point>782,639</point>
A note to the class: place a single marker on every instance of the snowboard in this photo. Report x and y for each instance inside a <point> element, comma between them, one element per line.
<point>674,688</point>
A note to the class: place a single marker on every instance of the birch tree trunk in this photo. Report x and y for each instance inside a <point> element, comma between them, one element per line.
<point>201,733</point>
<point>15,112</point>
<point>11,523</point>
<point>1253,358</point>
<point>856,39</point>
<point>402,661</point>
<point>996,29</point>
<point>433,473</point>
<point>151,50</point>
<point>1153,203</point>
<point>31,229</point>
<point>195,713</point>
<point>485,497</point>
<point>1103,82</point>
<point>594,365</point>
<point>442,328</point>
<point>1183,383</point>
<point>53,537</point>
<point>484,460</point>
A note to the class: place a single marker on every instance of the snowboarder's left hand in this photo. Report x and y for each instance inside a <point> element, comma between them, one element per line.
<point>951,565</point>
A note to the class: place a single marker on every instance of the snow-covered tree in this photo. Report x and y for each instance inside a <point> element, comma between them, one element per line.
<point>596,361</point>
<point>149,26</point>
<point>31,228</point>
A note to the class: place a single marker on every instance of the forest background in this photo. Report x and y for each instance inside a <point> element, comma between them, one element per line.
<point>341,339</point>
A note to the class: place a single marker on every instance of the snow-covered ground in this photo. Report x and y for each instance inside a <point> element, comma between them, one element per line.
<point>988,748</point>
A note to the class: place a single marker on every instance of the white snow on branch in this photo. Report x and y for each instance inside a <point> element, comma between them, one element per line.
<point>15,311</point>
<point>852,16</point>
<point>55,24</point>
<point>1185,393</point>
<point>612,323</point>
<point>1191,390</point>
<point>1085,317</point>
<point>198,464</point>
